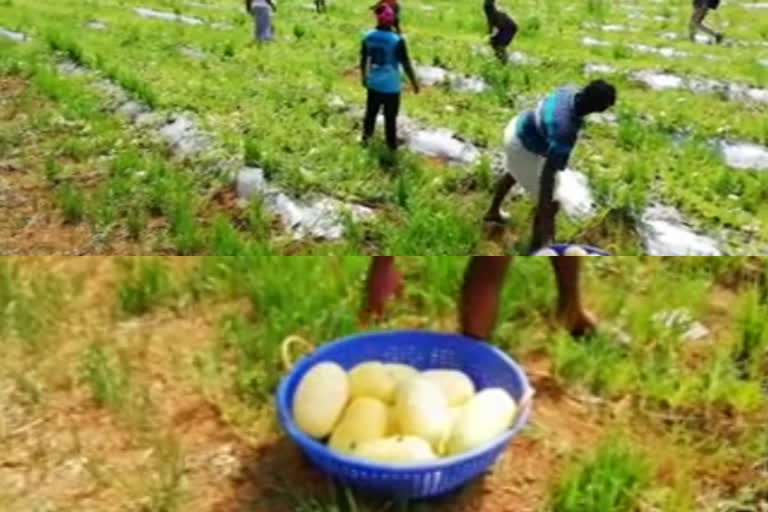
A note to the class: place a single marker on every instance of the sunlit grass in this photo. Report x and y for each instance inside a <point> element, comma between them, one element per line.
<point>235,84</point>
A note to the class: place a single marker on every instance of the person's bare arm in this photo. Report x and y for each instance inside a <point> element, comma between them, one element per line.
<point>544,221</point>
<point>406,61</point>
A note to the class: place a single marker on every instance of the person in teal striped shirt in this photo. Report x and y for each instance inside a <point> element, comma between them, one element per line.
<point>538,143</point>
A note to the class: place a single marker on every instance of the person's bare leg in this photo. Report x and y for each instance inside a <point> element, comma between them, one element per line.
<point>383,283</point>
<point>502,188</point>
<point>483,281</point>
<point>697,23</point>
<point>570,312</point>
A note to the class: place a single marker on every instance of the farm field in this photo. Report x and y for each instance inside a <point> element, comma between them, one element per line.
<point>146,384</point>
<point>155,126</point>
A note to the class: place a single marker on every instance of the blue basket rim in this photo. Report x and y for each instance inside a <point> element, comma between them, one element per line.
<point>561,247</point>
<point>302,439</point>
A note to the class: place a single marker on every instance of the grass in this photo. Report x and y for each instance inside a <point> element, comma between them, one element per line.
<point>166,492</point>
<point>28,306</point>
<point>608,482</point>
<point>420,208</point>
<point>145,284</point>
<point>179,384</point>
<point>71,202</point>
<point>107,378</point>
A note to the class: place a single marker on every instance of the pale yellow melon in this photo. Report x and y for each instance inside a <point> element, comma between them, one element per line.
<point>364,419</point>
<point>483,417</point>
<point>422,410</point>
<point>396,450</point>
<point>320,399</point>
<point>401,372</point>
<point>575,250</point>
<point>455,385</point>
<point>372,379</point>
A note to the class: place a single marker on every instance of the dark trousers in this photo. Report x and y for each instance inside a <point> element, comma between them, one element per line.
<point>391,104</point>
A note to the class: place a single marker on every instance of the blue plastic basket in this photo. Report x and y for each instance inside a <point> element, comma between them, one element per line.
<point>560,249</point>
<point>486,365</point>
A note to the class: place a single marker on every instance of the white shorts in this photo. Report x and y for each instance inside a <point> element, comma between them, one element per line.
<point>520,163</point>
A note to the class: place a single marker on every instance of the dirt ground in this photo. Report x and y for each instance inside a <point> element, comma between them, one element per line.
<point>185,441</point>
<point>30,221</point>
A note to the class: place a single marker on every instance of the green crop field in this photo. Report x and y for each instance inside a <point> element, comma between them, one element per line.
<point>146,384</point>
<point>126,133</point>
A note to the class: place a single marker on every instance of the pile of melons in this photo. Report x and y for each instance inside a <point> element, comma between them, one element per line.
<point>394,414</point>
<point>571,250</point>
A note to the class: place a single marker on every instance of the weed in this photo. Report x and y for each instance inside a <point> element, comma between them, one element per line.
<point>186,232</point>
<point>258,370</point>
<point>133,84</point>
<point>608,482</point>
<point>426,224</point>
<point>225,240</point>
<point>252,152</point>
<point>27,305</point>
<point>53,171</point>
<point>59,42</point>
<point>71,201</point>
<point>136,221</point>
<point>597,9</point>
<point>165,491</point>
<point>323,315</point>
<point>750,352</point>
<point>145,284</point>
<point>107,378</point>
<point>602,364</point>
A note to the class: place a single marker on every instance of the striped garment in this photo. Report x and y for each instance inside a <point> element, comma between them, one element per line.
<point>552,127</point>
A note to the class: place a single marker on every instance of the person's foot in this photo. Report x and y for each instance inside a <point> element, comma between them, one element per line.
<point>577,321</point>
<point>498,217</point>
<point>719,38</point>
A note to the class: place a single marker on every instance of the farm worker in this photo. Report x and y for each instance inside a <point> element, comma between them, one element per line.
<point>700,10</point>
<point>483,282</point>
<point>538,143</point>
<point>395,6</point>
<point>505,29</point>
<point>261,10</point>
<point>381,55</point>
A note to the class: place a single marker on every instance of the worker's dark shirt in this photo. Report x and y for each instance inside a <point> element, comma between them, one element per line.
<point>496,18</point>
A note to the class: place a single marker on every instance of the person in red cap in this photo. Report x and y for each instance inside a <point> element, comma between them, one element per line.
<point>483,283</point>
<point>381,55</point>
<point>395,6</point>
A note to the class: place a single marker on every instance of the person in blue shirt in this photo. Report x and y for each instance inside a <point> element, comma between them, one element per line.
<point>480,293</point>
<point>261,10</point>
<point>538,144</point>
<point>381,55</point>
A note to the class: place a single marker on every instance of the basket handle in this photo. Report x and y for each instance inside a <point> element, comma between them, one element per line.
<point>285,349</point>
